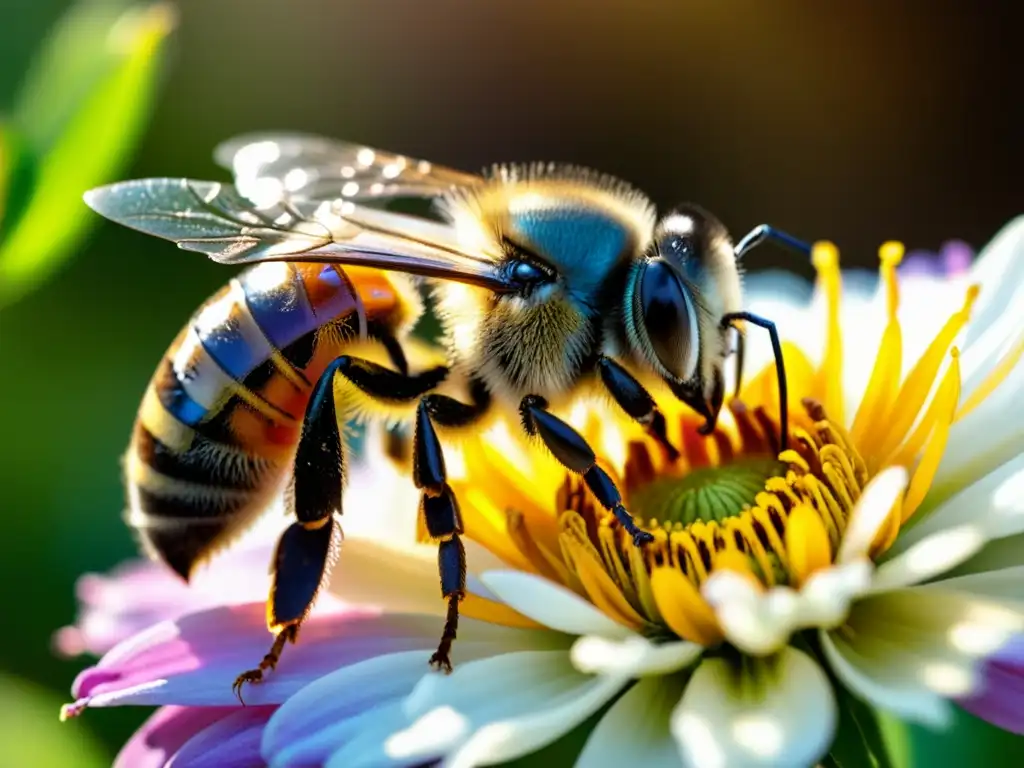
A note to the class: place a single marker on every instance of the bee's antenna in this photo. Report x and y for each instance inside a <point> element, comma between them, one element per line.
<point>755,237</point>
<point>763,232</point>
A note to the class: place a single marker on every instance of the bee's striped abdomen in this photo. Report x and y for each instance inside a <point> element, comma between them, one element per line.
<point>221,417</point>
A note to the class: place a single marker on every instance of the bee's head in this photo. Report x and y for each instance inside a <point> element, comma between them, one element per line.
<point>674,299</point>
<point>556,235</point>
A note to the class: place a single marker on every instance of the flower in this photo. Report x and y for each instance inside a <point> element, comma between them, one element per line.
<point>879,556</point>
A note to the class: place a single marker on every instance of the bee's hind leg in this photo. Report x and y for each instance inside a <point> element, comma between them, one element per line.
<point>572,451</point>
<point>306,549</point>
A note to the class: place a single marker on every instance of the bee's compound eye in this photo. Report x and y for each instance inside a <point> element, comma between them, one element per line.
<point>526,273</point>
<point>669,319</point>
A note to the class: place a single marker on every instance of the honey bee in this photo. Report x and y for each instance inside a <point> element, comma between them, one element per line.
<point>547,279</point>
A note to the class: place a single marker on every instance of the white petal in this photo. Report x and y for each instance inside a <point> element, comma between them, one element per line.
<point>985,439</point>
<point>911,649</point>
<point>787,717</point>
<point>380,501</point>
<point>1002,584</point>
<point>311,724</point>
<point>399,578</point>
<point>755,621</point>
<point>995,502</point>
<point>826,597</point>
<point>991,433</point>
<point>906,701</point>
<point>552,605</point>
<point>996,555</point>
<point>361,739</point>
<point>870,513</point>
<point>635,730</point>
<point>999,270</point>
<point>305,729</point>
<point>930,557</point>
<point>499,708</point>
<point>632,657</point>
<point>502,741</point>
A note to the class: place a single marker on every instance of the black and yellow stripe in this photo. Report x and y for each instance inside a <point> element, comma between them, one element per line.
<point>221,417</point>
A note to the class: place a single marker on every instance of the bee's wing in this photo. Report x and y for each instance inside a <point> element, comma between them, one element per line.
<point>313,167</point>
<point>232,228</point>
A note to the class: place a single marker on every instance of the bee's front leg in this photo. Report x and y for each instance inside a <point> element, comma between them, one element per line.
<point>572,451</point>
<point>636,402</point>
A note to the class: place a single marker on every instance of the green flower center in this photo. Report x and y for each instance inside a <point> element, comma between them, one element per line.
<point>704,494</point>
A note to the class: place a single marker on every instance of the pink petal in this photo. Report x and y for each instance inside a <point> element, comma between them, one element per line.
<point>195,659</point>
<point>140,593</point>
<point>232,742</point>
<point>165,732</point>
<point>1001,700</point>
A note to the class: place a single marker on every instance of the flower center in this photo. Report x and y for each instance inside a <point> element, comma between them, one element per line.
<point>727,502</point>
<point>705,494</point>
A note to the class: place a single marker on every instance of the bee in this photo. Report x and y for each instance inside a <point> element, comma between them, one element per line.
<point>547,279</point>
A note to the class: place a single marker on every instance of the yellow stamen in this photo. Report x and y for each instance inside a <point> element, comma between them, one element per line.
<point>885,377</point>
<point>683,608</point>
<point>806,543</point>
<point>946,400</point>
<point>731,559</point>
<point>915,389</point>
<point>476,607</point>
<point>830,376</point>
<point>589,568</point>
<point>996,377</point>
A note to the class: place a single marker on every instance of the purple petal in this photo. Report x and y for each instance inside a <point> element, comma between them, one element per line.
<point>195,659</point>
<point>232,742</point>
<point>138,594</point>
<point>920,264</point>
<point>1001,699</point>
<point>953,259</point>
<point>164,733</point>
<point>957,257</point>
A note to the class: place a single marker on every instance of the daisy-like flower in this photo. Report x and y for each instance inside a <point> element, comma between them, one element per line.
<point>876,564</point>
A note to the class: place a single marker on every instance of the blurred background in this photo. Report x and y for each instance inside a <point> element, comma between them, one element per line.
<point>854,122</point>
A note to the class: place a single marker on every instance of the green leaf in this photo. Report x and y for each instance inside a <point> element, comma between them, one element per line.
<point>31,734</point>
<point>864,738</point>
<point>17,177</point>
<point>84,106</point>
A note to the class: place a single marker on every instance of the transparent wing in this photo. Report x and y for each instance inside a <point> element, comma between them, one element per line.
<point>312,167</point>
<point>232,228</point>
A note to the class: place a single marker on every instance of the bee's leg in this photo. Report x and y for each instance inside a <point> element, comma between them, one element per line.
<point>780,365</point>
<point>438,505</point>
<point>393,347</point>
<point>636,402</point>
<point>396,438</point>
<point>306,548</point>
<point>741,337</point>
<point>572,451</point>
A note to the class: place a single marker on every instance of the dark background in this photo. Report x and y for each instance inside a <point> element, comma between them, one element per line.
<point>856,122</point>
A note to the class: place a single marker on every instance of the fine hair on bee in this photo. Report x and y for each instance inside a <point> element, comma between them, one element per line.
<point>549,281</point>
